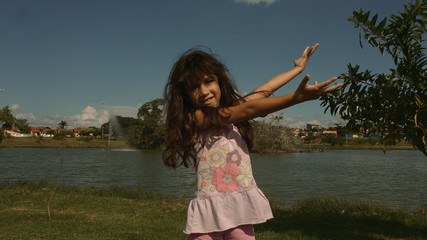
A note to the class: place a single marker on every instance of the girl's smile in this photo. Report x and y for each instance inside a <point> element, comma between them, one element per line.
<point>208,94</point>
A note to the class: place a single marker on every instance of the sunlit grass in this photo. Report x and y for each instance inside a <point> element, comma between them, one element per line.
<point>119,213</point>
<point>45,142</point>
<point>89,213</point>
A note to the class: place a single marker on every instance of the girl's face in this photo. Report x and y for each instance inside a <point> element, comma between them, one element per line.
<point>208,94</point>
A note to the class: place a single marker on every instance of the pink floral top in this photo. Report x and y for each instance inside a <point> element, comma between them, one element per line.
<point>227,195</point>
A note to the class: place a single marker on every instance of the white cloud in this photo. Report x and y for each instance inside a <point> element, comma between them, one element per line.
<point>93,117</point>
<point>14,106</point>
<point>254,2</point>
<point>89,113</point>
<point>88,117</point>
<point>299,124</point>
<point>29,116</point>
<point>314,122</point>
<point>51,121</point>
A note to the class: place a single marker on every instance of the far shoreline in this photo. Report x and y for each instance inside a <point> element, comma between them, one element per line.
<point>404,146</point>
<point>32,142</point>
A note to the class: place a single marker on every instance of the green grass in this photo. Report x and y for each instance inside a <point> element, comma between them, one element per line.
<point>88,213</point>
<point>338,219</point>
<point>119,213</point>
<point>34,142</point>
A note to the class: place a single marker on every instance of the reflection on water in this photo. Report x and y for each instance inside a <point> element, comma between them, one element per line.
<point>397,178</point>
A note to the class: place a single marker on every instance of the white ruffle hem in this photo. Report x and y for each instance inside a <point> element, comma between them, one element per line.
<point>227,211</point>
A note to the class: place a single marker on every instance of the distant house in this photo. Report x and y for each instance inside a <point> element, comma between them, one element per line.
<point>47,132</point>
<point>76,132</point>
<point>13,133</point>
<point>35,131</point>
<point>330,132</point>
<point>312,126</point>
<point>296,131</point>
<point>43,132</point>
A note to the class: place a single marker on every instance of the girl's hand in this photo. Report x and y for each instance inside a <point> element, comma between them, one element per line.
<point>302,61</point>
<point>306,92</point>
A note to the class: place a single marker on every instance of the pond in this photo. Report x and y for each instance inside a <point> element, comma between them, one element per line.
<point>397,179</point>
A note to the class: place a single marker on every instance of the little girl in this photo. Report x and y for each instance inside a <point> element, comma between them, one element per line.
<point>208,127</point>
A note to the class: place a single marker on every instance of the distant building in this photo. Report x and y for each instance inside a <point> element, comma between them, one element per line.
<point>35,130</point>
<point>15,133</point>
<point>330,132</point>
<point>311,126</point>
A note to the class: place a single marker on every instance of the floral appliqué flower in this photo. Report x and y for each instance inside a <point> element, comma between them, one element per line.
<point>225,180</point>
<point>216,157</point>
<point>246,176</point>
<point>234,157</point>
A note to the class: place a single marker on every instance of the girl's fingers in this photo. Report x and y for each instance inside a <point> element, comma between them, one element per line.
<point>306,49</point>
<point>312,49</point>
<point>305,52</point>
<point>327,82</point>
<point>304,82</point>
<point>332,88</point>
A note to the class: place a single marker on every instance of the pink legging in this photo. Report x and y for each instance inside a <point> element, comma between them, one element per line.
<point>243,232</point>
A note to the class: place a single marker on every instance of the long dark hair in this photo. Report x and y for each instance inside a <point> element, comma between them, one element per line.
<point>181,123</point>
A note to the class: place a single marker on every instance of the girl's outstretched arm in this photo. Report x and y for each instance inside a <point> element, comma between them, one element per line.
<point>278,81</point>
<point>263,106</point>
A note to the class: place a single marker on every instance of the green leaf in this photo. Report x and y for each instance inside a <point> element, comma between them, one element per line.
<point>374,20</point>
<point>418,101</point>
<point>360,39</point>
<point>382,24</point>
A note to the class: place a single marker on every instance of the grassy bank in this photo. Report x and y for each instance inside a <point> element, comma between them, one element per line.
<point>33,142</point>
<point>89,213</point>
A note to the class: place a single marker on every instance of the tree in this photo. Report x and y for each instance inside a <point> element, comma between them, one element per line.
<point>6,118</point>
<point>151,131</point>
<point>62,124</point>
<point>392,104</point>
<point>22,125</point>
<point>270,136</point>
<point>332,139</point>
<point>8,121</point>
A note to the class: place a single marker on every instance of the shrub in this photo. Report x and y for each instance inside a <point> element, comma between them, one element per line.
<point>85,138</point>
<point>333,140</point>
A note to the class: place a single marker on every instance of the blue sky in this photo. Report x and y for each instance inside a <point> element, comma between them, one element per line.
<point>81,60</point>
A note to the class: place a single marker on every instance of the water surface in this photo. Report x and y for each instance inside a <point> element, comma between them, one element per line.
<point>397,178</point>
